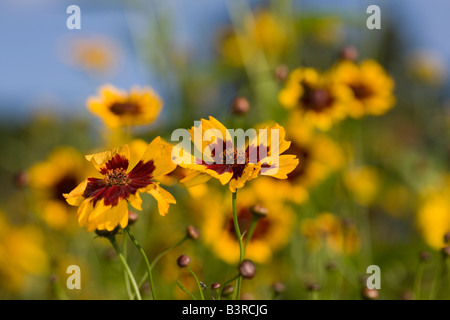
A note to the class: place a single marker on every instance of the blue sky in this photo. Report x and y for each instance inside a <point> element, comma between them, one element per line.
<point>34,76</point>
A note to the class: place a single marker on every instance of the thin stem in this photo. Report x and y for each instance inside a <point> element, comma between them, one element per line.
<point>198,282</point>
<point>127,280</point>
<point>225,284</point>
<point>186,290</point>
<point>112,239</point>
<point>159,256</point>
<point>418,280</point>
<point>438,272</point>
<point>250,233</point>
<point>241,247</point>
<point>141,250</point>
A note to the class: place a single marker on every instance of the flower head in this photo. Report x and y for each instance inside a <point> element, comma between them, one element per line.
<point>103,201</point>
<point>235,163</point>
<point>371,87</point>
<point>118,108</point>
<point>319,99</point>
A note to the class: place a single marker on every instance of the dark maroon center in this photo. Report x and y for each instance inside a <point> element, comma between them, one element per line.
<point>117,184</point>
<point>244,221</point>
<point>361,91</point>
<point>123,108</point>
<point>303,155</point>
<point>66,184</point>
<point>315,99</point>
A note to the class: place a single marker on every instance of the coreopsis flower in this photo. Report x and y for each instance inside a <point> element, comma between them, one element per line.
<point>433,214</point>
<point>316,97</point>
<point>371,86</point>
<point>59,173</point>
<point>327,230</point>
<point>233,163</point>
<point>103,202</point>
<point>364,183</point>
<point>215,220</point>
<point>119,108</point>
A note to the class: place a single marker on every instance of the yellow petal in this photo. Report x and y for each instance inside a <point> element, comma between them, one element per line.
<point>163,198</point>
<point>101,158</point>
<point>195,178</point>
<point>75,197</point>
<point>108,217</point>
<point>160,153</point>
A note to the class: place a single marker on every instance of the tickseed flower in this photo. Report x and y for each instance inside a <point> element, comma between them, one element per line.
<point>318,99</point>
<point>433,215</point>
<point>215,221</point>
<point>327,230</point>
<point>234,163</point>
<point>103,201</point>
<point>371,87</point>
<point>59,173</point>
<point>119,108</point>
<point>364,183</point>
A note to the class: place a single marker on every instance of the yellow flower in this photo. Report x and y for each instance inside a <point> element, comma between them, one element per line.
<point>316,97</point>
<point>262,31</point>
<point>272,232</point>
<point>371,86</point>
<point>118,108</point>
<point>49,179</point>
<point>22,254</point>
<point>326,230</point>
<point>364,183</point>
<point>433,214</point>
<point>235,164</point>
<point>103,202</point>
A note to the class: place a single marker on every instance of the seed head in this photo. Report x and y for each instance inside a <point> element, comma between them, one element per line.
<point>183,261</point>
<point>192,232</point>
<point>247,269</point>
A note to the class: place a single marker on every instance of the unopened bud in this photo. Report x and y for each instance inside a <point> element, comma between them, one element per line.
<point>331,266</point>
<point>215,286</point>
<point>192,232</point>
<point>281,72</point>
<point>240,106</point>
<point>424,256</point>
<point>183,261</point>
<point>227,290</point>
<point>21,179</point>
<point>258,211</point>
<point>369,294</point>
<point>132,217</point>
<point>247,269</point>
<point>278,287</point>
<point>313,286</point>
<point>447,238</point>
<point>446,251</point>
<point>349,53</point>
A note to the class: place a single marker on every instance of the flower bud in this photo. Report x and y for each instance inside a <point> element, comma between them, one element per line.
<point>313,287</point>
<point>215,286</point>
<point>192,232</point>
<point>281,72</point>
<point>349,53</point>
<point>369,294</point>
<point>447,238</point>
<point>247,269</point>
<point>446,251</point>
<point>424,256</point>
<point>240,106</point>
<point>258,211</point>
<point>183,261</point>
<point>278,287</point>
<point>227,290</point>
<point>132,217</point>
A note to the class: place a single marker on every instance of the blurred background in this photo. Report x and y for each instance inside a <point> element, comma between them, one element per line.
<point>391,188</point>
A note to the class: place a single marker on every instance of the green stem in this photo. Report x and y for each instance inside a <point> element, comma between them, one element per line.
<point>141,250</point>
<point>112,239</point>
<point>225,284</point>
<point>418,280</point>
<point>241,247</point>
<point>127,280</point>
<point>159,256</point>
<point>198,282</point>
<point>250,233</point>
<point>186,290</point>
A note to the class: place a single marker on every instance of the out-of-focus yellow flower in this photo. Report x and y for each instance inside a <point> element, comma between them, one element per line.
<point>262,32</point>
<point>326,230</point>
<point>396,200</point>
<point>93,55</point>
<point>216,223</point>
<point>22,254</point>
<point>364,183</point>
<point>103,202</point>
<point>118,108</point>
<point>233,165</point>
<point>318,99</point>
<point>371,86</point>
<point>433,214</point>
<point>427,67</point>
<point>49,179</point>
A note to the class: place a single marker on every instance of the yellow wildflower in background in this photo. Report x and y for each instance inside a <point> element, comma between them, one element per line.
<point>433,214</point>
<point>327,230</point>
<point>227,167</point>
<point>316,97</point>
<point>22,254</point>
<point>103,202</point>
<point>118,108</point>
<point>371,86</point>
<point>49,179</point>
<point>364,183</point>
<point>216,223</point>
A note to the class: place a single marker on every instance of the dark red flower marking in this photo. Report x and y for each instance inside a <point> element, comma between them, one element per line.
<point>117,184</point>
<point>303,155</point>
<point>122,108</point>
<point>234,160</point>
<point>315,99</point>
